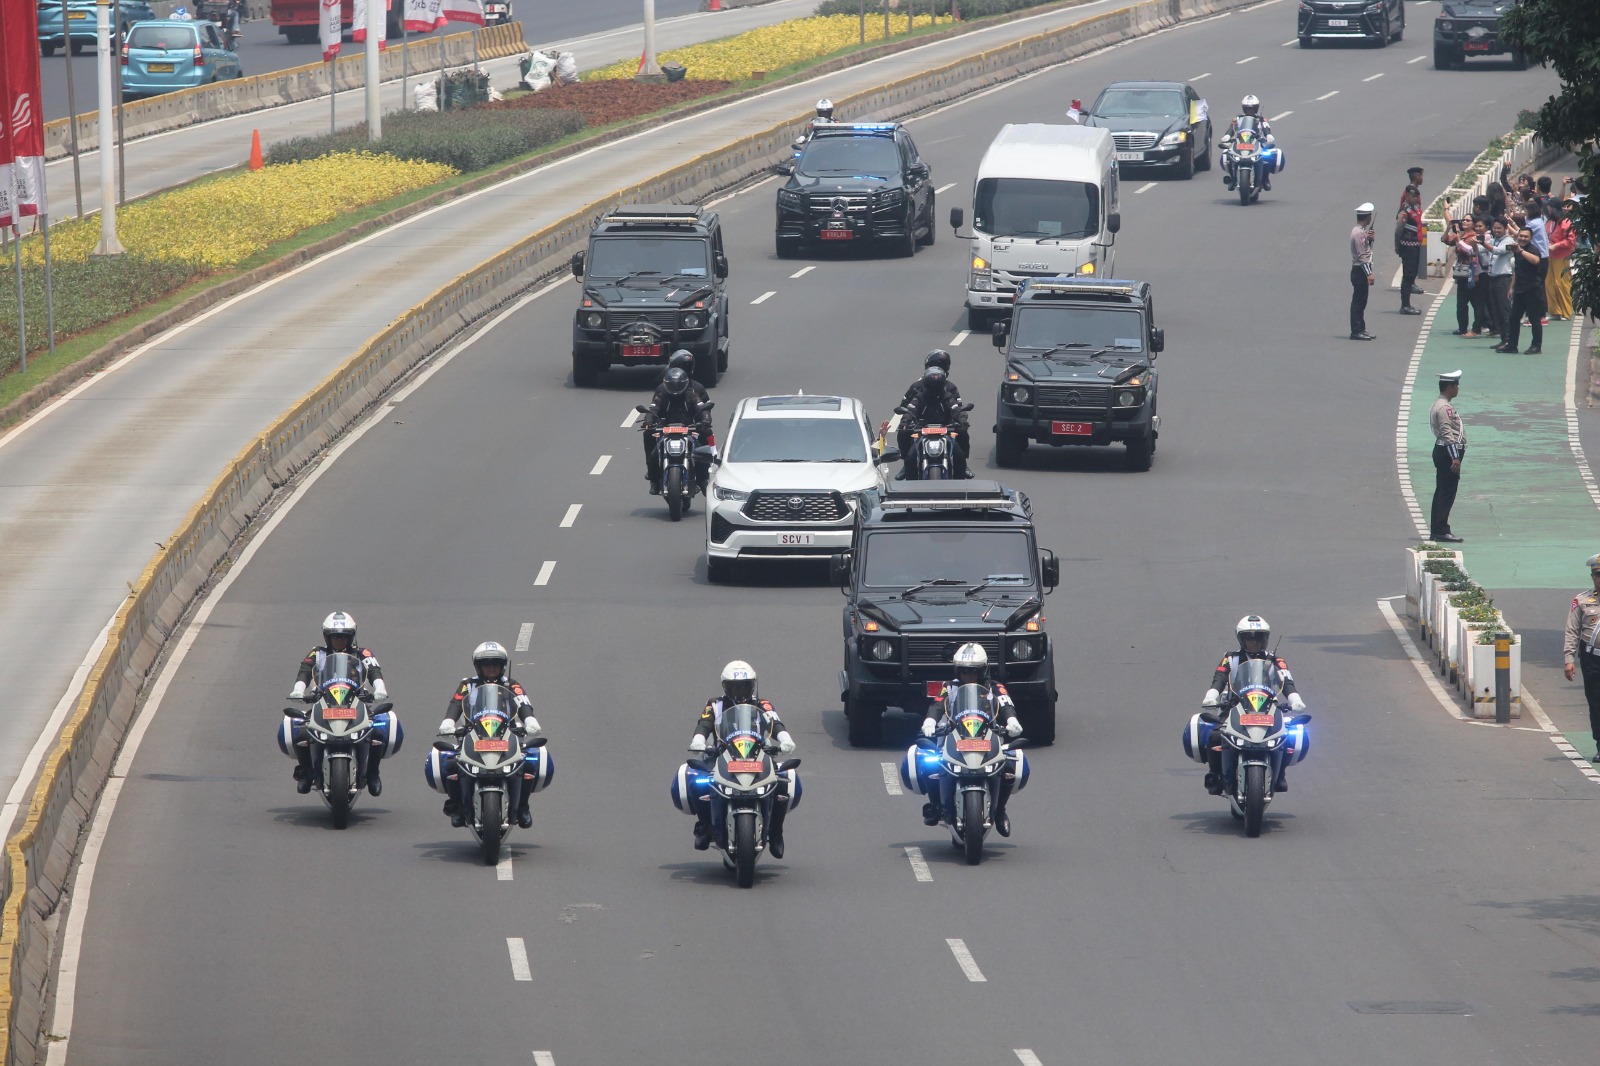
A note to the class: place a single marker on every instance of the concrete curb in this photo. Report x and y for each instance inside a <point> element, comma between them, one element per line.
<point>39,857</point>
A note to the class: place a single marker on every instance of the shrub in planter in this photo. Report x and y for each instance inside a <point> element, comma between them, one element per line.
<point>468,140</point>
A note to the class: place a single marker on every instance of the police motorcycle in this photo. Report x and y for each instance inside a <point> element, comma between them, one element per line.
<point>493,762</point>
<point>1250,157</point>
<point>962,767</point>
<point>933,446</point>
<point>345,732</point>
<point>739,778</point>
<point>1258,740</point>
<point>676,448</point>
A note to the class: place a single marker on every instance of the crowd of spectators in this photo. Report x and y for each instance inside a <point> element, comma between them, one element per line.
<point>1511,260</point>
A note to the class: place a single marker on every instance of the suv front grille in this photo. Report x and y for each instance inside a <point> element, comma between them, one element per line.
<point>1075,397</point>
<point>854,203</point>
<point>796,507</point>
<point>931,651</point>
<point>1134,142</point>
<point>666,320</point>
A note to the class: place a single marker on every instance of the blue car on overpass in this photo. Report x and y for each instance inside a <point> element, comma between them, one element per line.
<point>166,54</point>
<point>80,23</point>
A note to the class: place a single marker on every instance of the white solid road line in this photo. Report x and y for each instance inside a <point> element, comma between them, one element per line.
<point>544,572</point>
<point>524,636</point>
<point>968,964</point>
<point>1281,114</point>
<point>1416,60</point>
<point>1025,1055</point>
<point>1423,668</point>
<point>802,272</point>
<point>1375,77</point>
<point>1329,96</point>
<point>519,959</point>
<point>919,865</point>
<point>571,516</point>
<point>600,464</point>
<point>891,779</point>
<point>633,416</point>
<point>955,342</point>
<point>944,188</point>
<point>1144,188</point>
<point>1198,77</point>
<point>543,1058</point>
<point>764,297</point>
<point>1246,59</point>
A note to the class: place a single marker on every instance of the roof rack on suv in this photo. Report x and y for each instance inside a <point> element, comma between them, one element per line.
<point>654,215</point>
<point>1071,286</point>
<point>903,496</point>
<point>846,129</point>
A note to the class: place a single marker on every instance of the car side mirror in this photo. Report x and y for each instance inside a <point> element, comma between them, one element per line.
<point>786,167</point>
<point>1158,339</point>
<point>1052,571</point>
<point>919,171</point>
<point>999,331</point>
<point>888,455</point>
<point>720,265</point>
<point>1114,222</point>
<point>957,217</point>
<point>577,265</point>
<point>839,568</point>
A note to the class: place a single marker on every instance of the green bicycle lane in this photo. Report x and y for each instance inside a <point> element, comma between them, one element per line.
<point>1525,508</point>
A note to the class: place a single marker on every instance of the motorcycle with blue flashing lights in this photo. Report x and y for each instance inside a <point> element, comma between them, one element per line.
<point>345,733</point>
<point>741,780</point>
<point>1258,741</point>
<point>963,767</point>
<point>1249,158</point>
<point>490,765</point>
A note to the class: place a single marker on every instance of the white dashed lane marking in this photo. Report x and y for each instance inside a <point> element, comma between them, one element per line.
<point>1025,1055</point>
<point>545,569</point>
<point>1416,60</point>
<point>633,416</point>
<point>543,1058</point>
<point>571,516</point>
<point>1292,40</point>
<point>1197,77</point>
<point>1281,114</point>
<point>524,636</point>
<point>764,297</point>
<point>802,272</point>
<point>919,865</point>
<point>964,959</point>
<point>600,464</point>
<point>1375,77</point>
<point>1246,59</point>
<point>891,780</point>
<point>519,959</point>
<point>944,188</point>
<point>955,342</point>
<point>502,870</point>
<point>1329,96</point>
<point>1145,187</point>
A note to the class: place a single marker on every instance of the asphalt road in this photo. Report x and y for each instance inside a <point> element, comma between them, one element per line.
<point>263,50</point>
<point>1423,894</point>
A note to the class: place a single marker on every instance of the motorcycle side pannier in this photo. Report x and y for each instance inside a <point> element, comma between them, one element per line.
<point>386,730</point>
<point>919,769</point>
<point>436,768</point>
<point>690,788</point>
<point>537,767</point>
<point>1196,736</point>
<point>291,731</point>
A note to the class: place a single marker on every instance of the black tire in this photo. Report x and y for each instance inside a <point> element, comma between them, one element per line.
<point>1386,36</point>
<point>718,570</point>
<point>933,227</point>
<point>972,826</point>
<point>77,47</point>
<point>1008,448</point>
<point>338,791</point>
<point>722,356</point>
<point>1307,42</point>
<point>906,247</point>
<point>1255,799</point>
<point>492,831</point>
<point>743,846</point>
<point>47,49</point>
<point>1519,61</point>
<point>1186,168</point>
<point>1142,452</point>
<point>705,369</point>
<point>977,320</point>
<point>787,249</point>
<point>1443,58</point>
<point>1204,162</point>
<point>672,489</point>
<point>300,34</point>
<point>933,473</point>
<point>1244,195</point>
<point>864,722</point>
<point>1038,718</point>
<point>585,375</point>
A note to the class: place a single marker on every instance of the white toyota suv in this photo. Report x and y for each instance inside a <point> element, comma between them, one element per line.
<point>788,480</point>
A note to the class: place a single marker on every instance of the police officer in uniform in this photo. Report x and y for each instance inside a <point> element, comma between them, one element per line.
<point>1583,631</point>
<point>1449,446</point>
<point>1361,277</point>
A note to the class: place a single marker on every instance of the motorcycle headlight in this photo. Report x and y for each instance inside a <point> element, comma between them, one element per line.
<point>1176,138</point>
<point>1019,394</point>
<point>693,320</point>
<point>1022,649</point>
<point>1127,398</point>
<point>594,320</point>
<point>882,650</point>
<point>730,494</point>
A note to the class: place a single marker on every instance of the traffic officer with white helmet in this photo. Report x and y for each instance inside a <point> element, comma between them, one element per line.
<point>739,686</point>
<point>489,663</point>
<point>1583,632</point>
<point>971,664</point>
<point>338,637</point>
<point>1449,448</point>
<point>1253,632</point>
<point>1361,277</point>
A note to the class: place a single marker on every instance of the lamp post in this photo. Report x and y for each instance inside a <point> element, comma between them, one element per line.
<point>109,245</point>
<point>649,69</point>
<point>376,16</point>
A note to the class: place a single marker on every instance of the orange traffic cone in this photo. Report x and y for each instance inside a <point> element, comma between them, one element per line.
<point>715,5</point>
<point>255,149</point>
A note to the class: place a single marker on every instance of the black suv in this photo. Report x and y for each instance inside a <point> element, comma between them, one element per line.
<point>859,181</point>
<point>652,283</point>
<point>1079,368</point>
<point>1155,124</point>
<point>1376,21</point>
<point>1467,28</point>
<point>934,565</point>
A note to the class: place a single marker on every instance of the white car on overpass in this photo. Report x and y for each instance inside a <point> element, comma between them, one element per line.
<point>789,478</point>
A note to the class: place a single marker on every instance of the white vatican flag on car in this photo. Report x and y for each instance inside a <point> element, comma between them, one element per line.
<point>463,11</point>
<point>422,16</point>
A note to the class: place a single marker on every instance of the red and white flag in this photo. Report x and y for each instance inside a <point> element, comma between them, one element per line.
<point>463,11</point>
<point>422,16</point>
<point>21,114</point>
<point>358,25</point>
<point>329,28</point>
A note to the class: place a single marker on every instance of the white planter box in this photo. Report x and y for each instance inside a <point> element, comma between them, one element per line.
<point>1414,574</point>
<point>1450,640</point>
<point>1466,637</point>
<point>1483,680</point>
<point>1437,598</point>
<point>1424,602</point>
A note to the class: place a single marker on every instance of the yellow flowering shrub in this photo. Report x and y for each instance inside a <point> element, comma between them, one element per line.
<point>770,47</point>
<point>221,223</point>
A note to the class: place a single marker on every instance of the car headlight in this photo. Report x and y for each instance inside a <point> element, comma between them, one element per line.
<point>890,196</point>
<point>1087,268</point>
<point>1176,138</point>
<point>693,320</point>
<point>882,650</point>
<point>789,198</point>
<point>594,320</point>
<point>1128,398</point>
<point>729,494</point>
<point>1019,394</point>
<point>1375,9</point>
<point>1022,649</point>
<point>1446,24</point>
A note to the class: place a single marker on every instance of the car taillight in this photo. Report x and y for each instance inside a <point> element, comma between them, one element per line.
<point>199,56</point>
<point>124,55</point>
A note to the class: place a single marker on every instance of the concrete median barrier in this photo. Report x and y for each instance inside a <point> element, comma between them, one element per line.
<point>40,855</point>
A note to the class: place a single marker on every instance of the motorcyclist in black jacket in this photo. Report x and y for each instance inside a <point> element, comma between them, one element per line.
<point>933,398</point>
<point>675,404</point>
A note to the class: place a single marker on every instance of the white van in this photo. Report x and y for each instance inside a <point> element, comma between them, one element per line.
<point>1044,204</point>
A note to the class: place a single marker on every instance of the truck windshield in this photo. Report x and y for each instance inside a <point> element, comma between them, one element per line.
<point>1042,326</point>
<point>616,257</point>
<point>1036,207</point>
<point>905,557</point>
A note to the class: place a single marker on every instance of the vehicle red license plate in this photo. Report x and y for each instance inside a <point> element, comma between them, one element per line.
<point>934,688</point>
<point>640,351</point>
<point>972,743</point>
<point>1470,47</point>
<point>837,235</point>
<point>1072,429</point>
<point>745,766</point>
<point>336,714</point>
<point>1255,719</point>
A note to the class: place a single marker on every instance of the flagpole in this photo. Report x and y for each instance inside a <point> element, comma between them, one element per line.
<point>649,69</point>
<point>376,16</point>
<point>72,107</point>
<point>333,91</point>
<point>109,245</point>
<point>116,66</point>
<point>22,318</point>
<point>405,66</point>
<point>49,288</point>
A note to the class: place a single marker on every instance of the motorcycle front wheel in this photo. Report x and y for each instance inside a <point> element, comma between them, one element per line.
<point>490,833</point>
<point>972,826</point>
<point>338,786</point>
<point>744,849</point>
<point>673,491</point>
<point>933,472</point>
<point>1255,798</point>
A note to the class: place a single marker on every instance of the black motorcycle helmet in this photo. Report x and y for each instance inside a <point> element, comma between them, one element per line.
<point>677,381</point>
<point>683,357</point>
<point>939,358</point>
<point>933,378</point>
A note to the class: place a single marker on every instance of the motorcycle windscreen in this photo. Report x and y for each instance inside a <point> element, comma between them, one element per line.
<point>490,712</point>
<point>339,677</point>
<point>1256,683</point>
<point>971,710</point>
<point>743,729</point>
